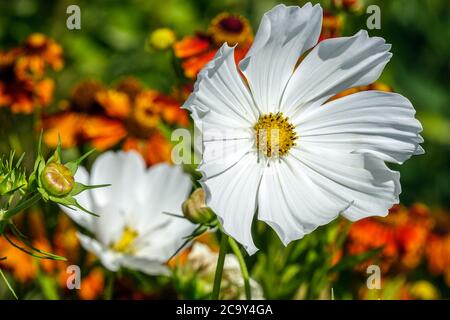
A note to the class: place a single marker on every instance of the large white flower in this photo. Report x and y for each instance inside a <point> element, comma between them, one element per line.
<point>274,143</point>
<point>132,230</point>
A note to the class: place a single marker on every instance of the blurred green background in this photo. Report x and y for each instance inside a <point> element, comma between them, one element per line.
<point>111,42</point>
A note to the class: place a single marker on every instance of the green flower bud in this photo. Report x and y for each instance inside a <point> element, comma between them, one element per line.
<point>57,179</point>
<point>195,209</point>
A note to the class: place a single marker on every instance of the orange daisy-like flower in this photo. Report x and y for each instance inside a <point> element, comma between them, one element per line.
<point>402,236</point>
<point>92,285</point>
<point>374,86</point>
<point>233,29</point>
<point>349,5</point>
<point>20,264</point>
<point>105,117</point>
<point>331,26</point>
<point>155,148</point>
<point>438,247</point>
<point>23,86</point>
<point>196,51</point>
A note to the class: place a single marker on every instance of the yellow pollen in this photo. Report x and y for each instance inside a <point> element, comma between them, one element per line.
<point>275,136</point>
<point>126,242</point>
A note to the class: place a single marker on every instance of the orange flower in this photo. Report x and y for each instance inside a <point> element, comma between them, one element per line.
<point>374,86</point>
<point>193,65</point>
<point>102,132</point>
<point>146,112</point>
<point>233,29</point>
<point>92,285</point>
<point>39,47</point>
<point>154,149</point>
<point>115,103</point>
<point>437,251</point>
<point>331,26</point>
<point>66,126</point>
<point>402,235</point>
<point>196,51</point>
<point>20,264</point>
<point>106,117</point>
<point>349,5</point>
<point>23,86</point>
<point>191,45</point>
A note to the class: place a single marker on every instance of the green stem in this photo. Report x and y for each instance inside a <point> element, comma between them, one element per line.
<point>22,206</point>
<point>237,252</point>
<point>109,291</point>
<point>219,268</point>
<point>5,216</point>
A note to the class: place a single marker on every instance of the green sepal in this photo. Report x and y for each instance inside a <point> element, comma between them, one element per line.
<point>79,187</point>
<point>74,164</point>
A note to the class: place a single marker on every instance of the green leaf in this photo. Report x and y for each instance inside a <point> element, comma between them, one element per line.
<point>10,288</point>
<point>351,261</point>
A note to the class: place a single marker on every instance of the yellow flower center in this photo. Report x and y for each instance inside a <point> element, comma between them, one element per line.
<point>125,244</point>
<point>275,135</point>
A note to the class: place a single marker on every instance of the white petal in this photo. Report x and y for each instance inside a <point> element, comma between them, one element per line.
<point>359,185</point>
<point>286,203</point>
<point>380,123</point>
<point>219,155</point>
<point>232,195</point>
<point>109,227</point>
<point>311,186</point>
<point>109,259</point>
<point>284,34</point>
<point>164,190</point>
<point>150,267</point>
<point>161,234</point>
<point>84,199</point>
<point>220,90</point>
<point>161,243</point>
<point>123,170</point>
<point>333,66</point>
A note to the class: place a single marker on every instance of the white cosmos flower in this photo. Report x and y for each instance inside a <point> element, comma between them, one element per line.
<point>132,230</point>
<point>329,155</point>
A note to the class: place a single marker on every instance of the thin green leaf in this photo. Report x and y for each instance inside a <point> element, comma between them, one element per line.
<point>8,285</point>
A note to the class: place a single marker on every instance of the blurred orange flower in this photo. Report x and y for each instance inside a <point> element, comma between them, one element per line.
<point>196,51</point>
<point>104,117</point>
<point>401,236</point>
<point>349,5</point>
<point>23,85</point>
<point>331,26</point>
<point>92,285</point>
<point>438,247</point>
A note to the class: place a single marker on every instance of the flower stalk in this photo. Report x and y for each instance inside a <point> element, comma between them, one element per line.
<point>237,252</point>
<point>219,267</point>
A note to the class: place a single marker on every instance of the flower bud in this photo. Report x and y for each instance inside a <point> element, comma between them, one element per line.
<point>162,39</point>
<point>57,179</point>
<point>195,209</point>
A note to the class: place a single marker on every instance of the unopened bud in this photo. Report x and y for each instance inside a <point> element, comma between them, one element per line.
<point>162,39</point>
<point>195,209</point>
<point>57,179</point>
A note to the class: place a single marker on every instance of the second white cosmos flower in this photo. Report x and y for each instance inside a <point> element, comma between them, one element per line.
<point>132,230</point>
<point>274,143</point>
